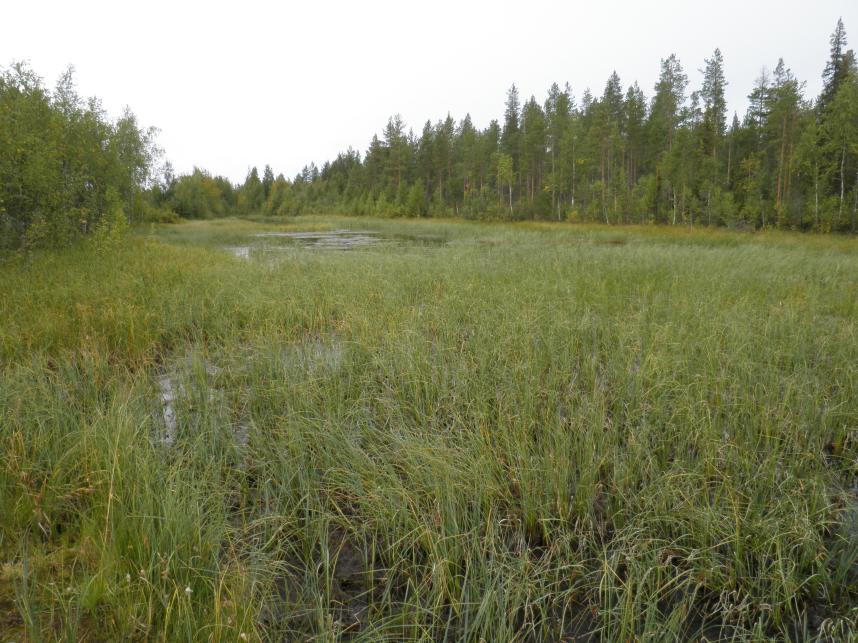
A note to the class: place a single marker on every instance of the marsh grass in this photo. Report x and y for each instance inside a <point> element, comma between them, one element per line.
<point>522,432</point>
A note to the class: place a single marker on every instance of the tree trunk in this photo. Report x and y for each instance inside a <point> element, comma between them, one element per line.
<point>729,161</point>
<point>855,204</point>
<point>674,206</point>
<point>553,185</point>
<point>842,182</point>
<point>816,193</point>
<point>572,192</point>
<point>789,158</point>
<point>779,191</point>
<point>709,207</point>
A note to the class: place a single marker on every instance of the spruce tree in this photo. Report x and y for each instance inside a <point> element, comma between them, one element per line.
<point>665,118</point>
<point>714,101</point>
<point>836,68</point>
<point>510,134</point>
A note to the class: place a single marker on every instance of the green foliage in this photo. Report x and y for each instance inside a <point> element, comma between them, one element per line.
<point>415,204</point>
<point>112,225</point>
<point>64,166</point>
<point>197,196</point>
<point>252,195</point>
<point>157,214</point>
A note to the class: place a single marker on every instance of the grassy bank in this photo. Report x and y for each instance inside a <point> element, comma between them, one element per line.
<point>463,432</point>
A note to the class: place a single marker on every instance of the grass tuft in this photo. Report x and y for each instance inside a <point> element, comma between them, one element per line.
<point>469,432</point>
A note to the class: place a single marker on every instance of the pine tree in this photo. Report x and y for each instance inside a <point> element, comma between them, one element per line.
<point>607,136</point>
<point>783,107</point>
<point>425,146</point>
<point>558,114</point>
<point>712,127</point>
<point>532,150</point>
<point>665,118</point>
<point>510,135</point>
<point>467,155</point>
<point>489,146</point>
<point>397,149</point>
<point>634,115</point>
<point>667,104</point>
<point>758,102</point>
<point>442,155</point>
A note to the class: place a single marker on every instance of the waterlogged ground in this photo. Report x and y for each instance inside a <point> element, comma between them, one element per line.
<point>268,238</point>
<point>265,243</point>
<point>331,428</point>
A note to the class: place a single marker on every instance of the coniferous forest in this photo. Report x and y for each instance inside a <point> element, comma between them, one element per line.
<point>674,157</point>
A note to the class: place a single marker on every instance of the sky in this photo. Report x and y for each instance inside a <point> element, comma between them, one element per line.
<point>231,85</point>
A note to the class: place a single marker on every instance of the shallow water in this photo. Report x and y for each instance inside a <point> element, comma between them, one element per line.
<point>167,395</point>
<point>332,240</point>
<point>176,386</point>
<point>339,240</point>
<point>185,383</point>
<point>242,252</point>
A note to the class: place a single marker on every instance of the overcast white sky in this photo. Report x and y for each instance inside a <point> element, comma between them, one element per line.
<point>235,84</point>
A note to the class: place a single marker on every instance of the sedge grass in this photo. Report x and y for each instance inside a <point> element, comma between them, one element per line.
<point>515,432</point>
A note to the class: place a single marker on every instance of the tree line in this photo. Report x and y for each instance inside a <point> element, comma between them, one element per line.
<point>619,157</point>
<point>67,170</point>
